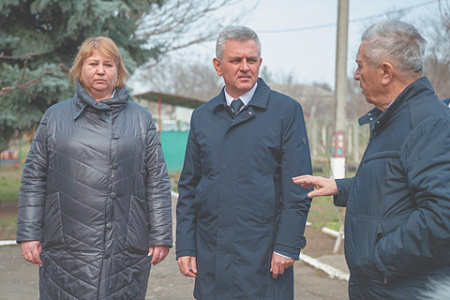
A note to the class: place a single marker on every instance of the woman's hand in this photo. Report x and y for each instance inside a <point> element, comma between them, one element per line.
<point>31,252</point>
<point>159,253</point>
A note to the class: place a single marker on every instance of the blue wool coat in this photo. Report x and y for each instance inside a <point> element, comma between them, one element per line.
<point>237,200</point>
<point>397,226</point>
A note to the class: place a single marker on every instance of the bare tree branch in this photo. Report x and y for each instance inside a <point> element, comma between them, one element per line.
<point>26,56</point>
<point>23,86</point>
<point>179,24</point>
<point>444,10</point>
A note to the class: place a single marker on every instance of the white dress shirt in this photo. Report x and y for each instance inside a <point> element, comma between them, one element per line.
<point>244,98</point>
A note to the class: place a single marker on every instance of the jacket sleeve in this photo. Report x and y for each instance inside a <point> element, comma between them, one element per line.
<point>344,187</point>
<point>189,179</point>
<point>422,242</point>
<point>295,203</point>
<point>159,198</point>
<point>33,185</point>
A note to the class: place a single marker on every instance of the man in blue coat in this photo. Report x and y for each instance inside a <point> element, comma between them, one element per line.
<point>397,225</point>
<point>240,218</point>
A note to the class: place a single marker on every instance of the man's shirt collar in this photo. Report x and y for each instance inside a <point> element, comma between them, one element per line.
<point>244,98</point>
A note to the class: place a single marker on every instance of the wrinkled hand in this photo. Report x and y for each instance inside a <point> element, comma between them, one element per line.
<point>31,252</point>
<point>279,264</point>
<point>159,253</point>
<point>188,265</point>
<point>324,186</point>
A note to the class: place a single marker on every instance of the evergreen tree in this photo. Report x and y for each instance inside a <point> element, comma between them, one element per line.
<point>38,41</point>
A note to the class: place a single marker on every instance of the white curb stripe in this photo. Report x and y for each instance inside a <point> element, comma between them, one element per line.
<point>331,271</point>
<point>7,243</point>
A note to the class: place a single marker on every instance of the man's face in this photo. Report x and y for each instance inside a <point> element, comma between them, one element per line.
<point>239,66</point>
<point>369,77</point>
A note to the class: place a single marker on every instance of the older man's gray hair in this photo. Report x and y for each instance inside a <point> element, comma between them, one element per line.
<point>397,41</point>
<point>240,33</point>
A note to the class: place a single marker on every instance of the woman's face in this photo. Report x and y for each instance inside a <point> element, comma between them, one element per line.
<point>99,76</point>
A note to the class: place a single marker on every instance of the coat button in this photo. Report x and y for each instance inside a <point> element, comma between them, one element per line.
<point>106,255</point>
<point>108,225</point>
<point>113,195</point>
<point>302,242</point>
<point>115,136</point>
<point>114,166</point>
<point>249,112</point>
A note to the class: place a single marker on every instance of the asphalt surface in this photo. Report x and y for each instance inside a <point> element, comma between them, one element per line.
<point>19,280</point>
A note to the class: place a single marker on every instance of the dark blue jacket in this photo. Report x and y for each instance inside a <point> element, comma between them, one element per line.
<point>237,201</point>
<point>397,227</point>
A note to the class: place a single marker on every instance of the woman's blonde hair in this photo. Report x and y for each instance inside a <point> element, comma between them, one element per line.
<point>106,47</point>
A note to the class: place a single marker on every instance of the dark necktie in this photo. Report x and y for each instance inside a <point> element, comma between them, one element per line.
<point>236,106</point>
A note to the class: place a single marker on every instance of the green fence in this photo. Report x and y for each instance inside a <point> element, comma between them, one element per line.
<point>174,146</point>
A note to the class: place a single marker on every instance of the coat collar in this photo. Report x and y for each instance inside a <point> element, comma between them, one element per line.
<point>84,101</point>
<point>378,118</point>
<point>260,98</point>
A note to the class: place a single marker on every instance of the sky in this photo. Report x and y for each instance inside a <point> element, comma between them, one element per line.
<point>298,37</point>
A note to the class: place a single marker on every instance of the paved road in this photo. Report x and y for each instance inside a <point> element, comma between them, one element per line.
<point>19,280</point>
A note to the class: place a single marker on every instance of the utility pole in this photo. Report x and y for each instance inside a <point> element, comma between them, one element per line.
<point>338,142</point>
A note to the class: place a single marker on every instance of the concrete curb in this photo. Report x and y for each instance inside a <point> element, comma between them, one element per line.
<point>331,271</point>
<point>8,243</point>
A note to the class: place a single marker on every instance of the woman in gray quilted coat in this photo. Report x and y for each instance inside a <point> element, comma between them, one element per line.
<point>95,204</point>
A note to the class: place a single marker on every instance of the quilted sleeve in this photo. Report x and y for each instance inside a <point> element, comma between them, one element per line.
<point>158,190</point>
<point>33,188</point>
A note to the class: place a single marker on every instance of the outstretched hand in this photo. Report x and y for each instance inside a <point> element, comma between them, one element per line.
<point>323,186</point>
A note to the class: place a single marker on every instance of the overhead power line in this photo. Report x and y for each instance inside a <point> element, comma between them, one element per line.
<point>351,21</point>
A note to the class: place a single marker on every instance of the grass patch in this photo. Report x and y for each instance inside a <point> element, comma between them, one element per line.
<point>8,228</point>
<point>324,214</point>
<point>10,177</point>
<point>174,177</point>
<point>8,222</point>
<point>9,184</point>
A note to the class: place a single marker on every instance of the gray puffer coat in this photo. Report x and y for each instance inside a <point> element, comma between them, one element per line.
<point>96,193</point>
